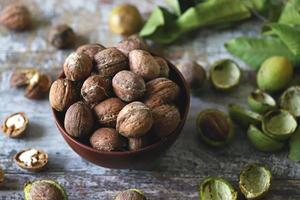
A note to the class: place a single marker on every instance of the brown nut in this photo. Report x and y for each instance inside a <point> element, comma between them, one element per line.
<point>134,120</point>
<point>107,111</point>
<point>38,86</point>
<point>62,36</point>
<point>193,73</point>
<point>135,144</point>
<point>79,120</point>
<point>1,175</point>
<point>15,125</point>
<point>21,77</point>
<point>131,194</point>
<point>128,86</point>
<point>16,17</point>
<point>90,49</point>
<point>165,119</point>
<point>160,91</point>
<point>107,139</point>
<point>63,94</point>
<point>143,63</point>
<point>110,61</point>
<point>95,89</point>
<point>31,159</point>
<point>131,43</point>
<point>164,67</point>
<point>77,66</point>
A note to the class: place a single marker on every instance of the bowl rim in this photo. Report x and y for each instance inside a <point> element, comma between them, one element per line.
<point>150,147</point>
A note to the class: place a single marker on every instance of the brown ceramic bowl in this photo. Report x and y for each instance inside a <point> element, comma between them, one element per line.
<point>140,159</point>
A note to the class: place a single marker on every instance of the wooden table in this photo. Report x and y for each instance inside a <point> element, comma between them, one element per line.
<point>178,173</point>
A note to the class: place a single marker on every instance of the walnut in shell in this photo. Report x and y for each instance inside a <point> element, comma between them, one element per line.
<point>79,120</point>
<point>128,86</point>
<point>62,36</point>
<point>31,159</point>
<point>90,49</point>
<point>135,144</point>
<point>164,67</point>
<point>131,43</point>
<point>15,125</point>
<point>107,111</point>
<point>134,120</point>
<point>38,86</point>
<point>1,175</point>
<point>131,194</point>
<point>143,63</point>
<point>21,77</point>
<point>107,139</point>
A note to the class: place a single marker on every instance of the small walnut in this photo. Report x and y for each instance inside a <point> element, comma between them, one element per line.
<point>131,43</point>
<point>62,36</point>
<point>15,125</point>
<point>160,91</point>
<point>63,93</point>
<point>135,144</point>
<point>193,73</point>
<point>110,61</point>
<point>95,89</point>
<point>107,111</point>
<point>31,159</point>
<point>164,67</point>
<point>134,120</point>
<point>77,66</point>
<point>21,77</point>
<point>79,120</point>
<point>143,63</point>
<point>16,17</point>
<point>107,139</point>
<point>128,86</point>
<point>38,86</point>
<point>1,176</point>
<point>45,190</point>
<point>165,120</point>
<point>90,49</point>
<point>131,194</point>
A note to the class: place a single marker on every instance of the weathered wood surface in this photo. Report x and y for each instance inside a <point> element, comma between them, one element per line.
<point>179,172</point>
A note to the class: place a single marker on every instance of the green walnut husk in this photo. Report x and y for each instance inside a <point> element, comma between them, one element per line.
<point>294,144</point>
<point>263,142</point>
<point>28,187</point>
<point>275,74</point>
<point>214,127</point>
<point>279,124</point>
<point>255,181</point>
<point>216,189</point>
<point>261,102</point>
<point>243,116</point>
<point>290,100</point>
<point>225,75</point>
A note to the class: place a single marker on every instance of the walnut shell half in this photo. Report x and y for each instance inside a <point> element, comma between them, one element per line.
<point>15,125</point>
<point>31,159</point>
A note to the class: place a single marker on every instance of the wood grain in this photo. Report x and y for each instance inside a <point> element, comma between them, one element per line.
<point>178,173</point>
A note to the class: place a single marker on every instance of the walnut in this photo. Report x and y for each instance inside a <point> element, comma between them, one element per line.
<point>138,143</point>
<point>107,139</point>
<point>38,86</point>
<point>79,120</point>
<point>16,17</point>
<point>31,159</point>
<point>21,77</point>
<point>90,49</point>
<point>62,36</point>
<point>77,66</point>
<point>134,120</point>
<point>44,190</point>
<point>15,125</point>
<point>131,43</point>
<point>165,120</point>
<point>107,111</point>
<point>164,67</point>
<point>110,61</point>
<point>95,89</point>
<point>160,91</point>
<point>142,63</point>
<point>128,86</point>
<point>63,93</point>
<point>193,73</point>
<point>131,194</point>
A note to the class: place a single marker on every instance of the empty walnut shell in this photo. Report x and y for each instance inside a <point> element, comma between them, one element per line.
<point>134,120</point>
<point>21,77</point>
<point>164,67</point>
<point>107,139</point>
<point>110,61</point>
<point>107,111</point>
<point>63,94</point>
<point>31,159</point>
<point>77,66</point>
<point>165,119</point>
<point>79,120</point>
<point>160,91</point>
<point>38,86</point>
<point>15,17</point>
<point>128,86</point>
<point>62,36</point>
<point>95,89</point>
<point>15,125</point>
<point>131,43</point>
<point>90,49</point>
<point>143,63</point>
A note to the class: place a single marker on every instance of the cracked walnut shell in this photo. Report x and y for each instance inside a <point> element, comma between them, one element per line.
<point>31,159</point>
<point>15,125</point>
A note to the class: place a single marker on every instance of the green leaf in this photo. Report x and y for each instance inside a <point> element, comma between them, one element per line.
<point>289,35</point>
<point>290,13</point>
<point>180,6</point>
<point>254,51</point>
<point>294,153</point>
<point>258,5</point>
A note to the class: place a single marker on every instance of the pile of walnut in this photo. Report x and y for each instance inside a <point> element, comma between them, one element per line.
<point>121,98</point>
